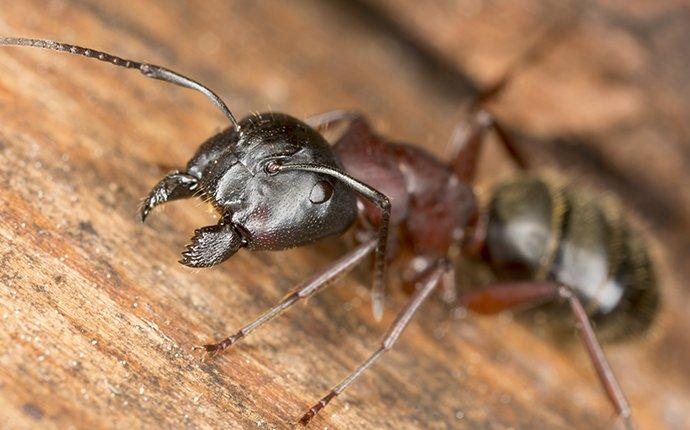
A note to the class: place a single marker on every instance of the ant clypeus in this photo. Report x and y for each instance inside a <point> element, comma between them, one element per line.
<point>277,183</point>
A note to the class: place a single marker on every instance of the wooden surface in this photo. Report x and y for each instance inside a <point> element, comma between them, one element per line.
<point>98,319</point>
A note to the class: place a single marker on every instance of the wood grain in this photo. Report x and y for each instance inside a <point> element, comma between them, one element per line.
<point>98,319</point>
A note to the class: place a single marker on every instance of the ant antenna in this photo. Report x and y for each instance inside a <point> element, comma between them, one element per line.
<point>148,70</point>
<point>376,197</point>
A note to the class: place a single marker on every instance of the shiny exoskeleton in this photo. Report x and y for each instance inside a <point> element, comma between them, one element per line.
<point>277,183</point>
<point>259,210</point>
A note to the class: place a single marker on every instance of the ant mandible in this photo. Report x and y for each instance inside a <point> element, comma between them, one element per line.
<point>277,183</point>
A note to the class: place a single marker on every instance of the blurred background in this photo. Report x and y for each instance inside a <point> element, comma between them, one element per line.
<point>98,319</point>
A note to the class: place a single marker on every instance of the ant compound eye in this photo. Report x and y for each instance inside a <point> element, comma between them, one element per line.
<point>322,191</point>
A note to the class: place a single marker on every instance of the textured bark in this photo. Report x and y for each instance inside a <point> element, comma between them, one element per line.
<point>98,319</point>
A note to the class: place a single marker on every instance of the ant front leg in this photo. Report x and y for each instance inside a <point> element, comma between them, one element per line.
<point>498,297</point>
<point>427,285</point>
<point>467,139</point>
<point>176,185</point>
<point>317,283</point>
<point>359,136</point>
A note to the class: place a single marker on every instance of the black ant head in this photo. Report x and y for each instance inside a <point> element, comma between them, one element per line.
<point>274,209</point>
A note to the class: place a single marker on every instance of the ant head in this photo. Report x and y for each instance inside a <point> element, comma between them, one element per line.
<point>270,207</point>
<point>275,180</point>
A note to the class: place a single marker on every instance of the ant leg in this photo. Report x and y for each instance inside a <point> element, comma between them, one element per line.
<point>494,298</point>
<point>497,297</point>
<point>330,117</point>
<point>427,286</point>
<point>420,265</point>
<point>176,185</point>
<point>449,292</point>
<point>596,355</point>
<point>318,282</point>
<point>467,139</point>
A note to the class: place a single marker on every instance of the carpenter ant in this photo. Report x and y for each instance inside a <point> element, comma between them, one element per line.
<point>277,183</point>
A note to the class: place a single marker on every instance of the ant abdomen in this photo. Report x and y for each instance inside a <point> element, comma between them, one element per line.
<point>539,229</point>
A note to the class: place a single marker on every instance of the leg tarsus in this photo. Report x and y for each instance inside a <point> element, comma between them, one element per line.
<point>176,185</point>
<point>311,413</point>
<point>211,350</point>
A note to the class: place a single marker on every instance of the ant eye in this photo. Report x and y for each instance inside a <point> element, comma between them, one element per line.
<point>322,191</point>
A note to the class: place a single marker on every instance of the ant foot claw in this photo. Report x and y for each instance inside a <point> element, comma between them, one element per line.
<point>210,350</point>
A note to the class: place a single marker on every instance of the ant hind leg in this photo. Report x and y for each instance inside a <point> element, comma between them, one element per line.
<point>596,355</point>
<point>498,297</point>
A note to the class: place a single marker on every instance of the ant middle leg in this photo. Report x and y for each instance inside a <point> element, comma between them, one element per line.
<point>427,285</point>
<point>317,283</point>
